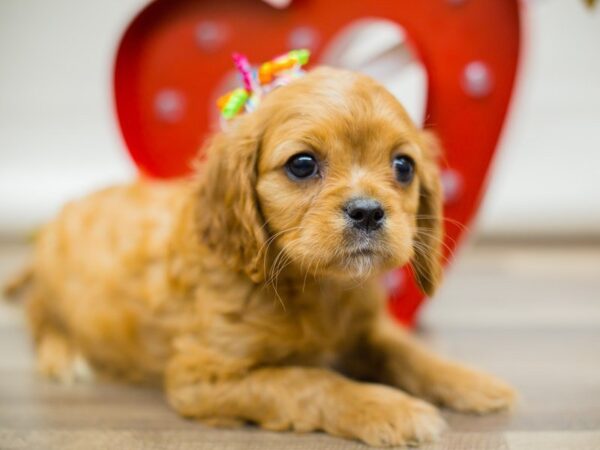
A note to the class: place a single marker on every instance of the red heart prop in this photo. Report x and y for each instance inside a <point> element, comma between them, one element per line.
<point>175,53</point>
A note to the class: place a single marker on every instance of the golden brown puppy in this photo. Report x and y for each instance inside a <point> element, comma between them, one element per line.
<point>252,291</point>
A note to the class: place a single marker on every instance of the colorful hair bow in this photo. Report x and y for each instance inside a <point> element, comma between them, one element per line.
<point>260,81</point>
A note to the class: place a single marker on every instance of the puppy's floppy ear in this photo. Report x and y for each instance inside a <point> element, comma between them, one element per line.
<point>427,262</point>
<point>228,218</point>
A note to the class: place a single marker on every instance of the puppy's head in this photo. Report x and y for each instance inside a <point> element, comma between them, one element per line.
<point>328,176</point>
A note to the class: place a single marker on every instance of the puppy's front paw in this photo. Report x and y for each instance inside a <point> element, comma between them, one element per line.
<point>468,390</point>
<point>382,416</point>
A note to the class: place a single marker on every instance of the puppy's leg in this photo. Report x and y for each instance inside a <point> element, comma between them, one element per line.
<point>59,360</point>
<point>56,356</point>
<point>392,356</point>
<point>300,399</point>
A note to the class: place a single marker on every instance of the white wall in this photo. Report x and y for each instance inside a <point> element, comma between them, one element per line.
<point>58,136</point>
<point>547,175</point>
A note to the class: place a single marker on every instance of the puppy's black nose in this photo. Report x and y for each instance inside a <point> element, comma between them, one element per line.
<point>365,214</point>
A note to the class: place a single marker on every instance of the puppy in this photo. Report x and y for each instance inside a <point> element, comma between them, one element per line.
<point>251,292</point>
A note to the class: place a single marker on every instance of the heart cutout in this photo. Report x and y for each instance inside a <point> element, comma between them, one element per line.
<point>173,56</point>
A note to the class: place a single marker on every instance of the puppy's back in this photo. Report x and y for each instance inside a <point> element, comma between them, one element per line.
<point>109,231</point>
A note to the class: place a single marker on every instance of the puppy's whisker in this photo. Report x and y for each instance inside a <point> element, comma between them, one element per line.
<point>307,271</point>
<point>264,225</point>
<point>271,279</point>
<point>433,216</point>
<point>269,282</point>
<point>313,272</point>
<point>285,263</point>
<point>270,241</point>
<point>275,264</point>
<point>305,277</point>
<point>423,249</point>
<point>433,233</point>
<point>449,250</point>
<point>281,261</point>
<point>434,237</point>
<point>457,223</point>
<point>317,262</point>
<point>414,270</point>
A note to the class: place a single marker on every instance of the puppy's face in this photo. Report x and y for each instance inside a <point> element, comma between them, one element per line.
<point>344,184</point>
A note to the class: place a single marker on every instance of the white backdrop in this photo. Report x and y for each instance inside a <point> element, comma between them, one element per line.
<point>58,136</point>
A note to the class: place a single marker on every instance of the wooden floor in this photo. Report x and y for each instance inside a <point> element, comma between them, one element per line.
<point>530,314</point>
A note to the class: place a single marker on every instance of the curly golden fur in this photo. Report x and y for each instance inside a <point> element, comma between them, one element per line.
<point>245,292</point>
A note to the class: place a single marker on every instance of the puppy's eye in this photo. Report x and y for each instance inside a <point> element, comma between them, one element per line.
<point>404,168</point>
<point>302,166</point>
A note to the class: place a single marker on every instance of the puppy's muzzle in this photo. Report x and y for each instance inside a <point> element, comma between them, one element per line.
<point>364,214</point>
